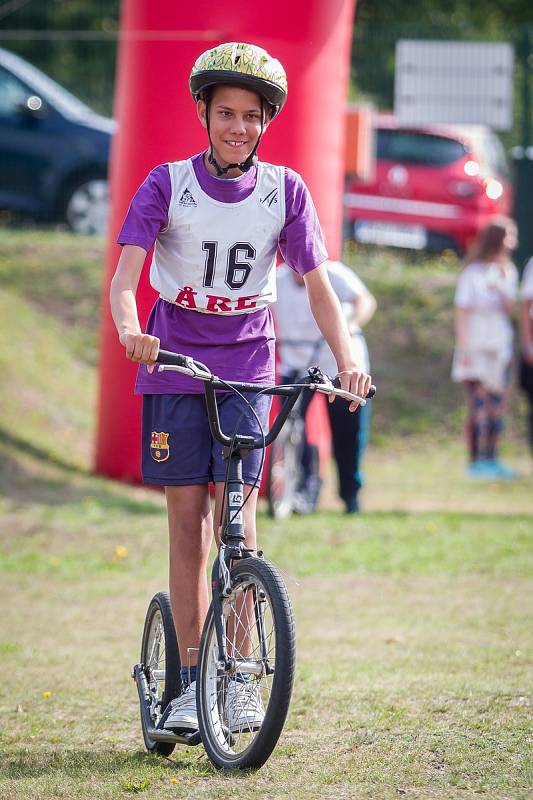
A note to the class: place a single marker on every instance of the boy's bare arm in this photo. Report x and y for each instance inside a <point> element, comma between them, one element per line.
<point>139,346</point>
<point>330,319</point>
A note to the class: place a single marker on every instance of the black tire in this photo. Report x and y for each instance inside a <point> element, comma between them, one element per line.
<point>160,654</point>
<point>283,474</point>
<point>246,748</point>
<point>86,205</point>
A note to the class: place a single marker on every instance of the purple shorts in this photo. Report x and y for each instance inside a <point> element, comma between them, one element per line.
<point>177,446</point>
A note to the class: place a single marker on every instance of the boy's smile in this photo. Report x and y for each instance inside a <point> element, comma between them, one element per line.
<point>234,124</point>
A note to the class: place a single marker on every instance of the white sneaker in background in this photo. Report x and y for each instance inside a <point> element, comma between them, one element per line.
<point>244,707</point>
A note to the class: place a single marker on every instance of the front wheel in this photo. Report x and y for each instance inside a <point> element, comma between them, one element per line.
<point>241,711</point>
<point>161,663</point>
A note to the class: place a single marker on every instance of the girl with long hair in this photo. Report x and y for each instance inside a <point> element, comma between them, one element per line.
<point>484,299</point>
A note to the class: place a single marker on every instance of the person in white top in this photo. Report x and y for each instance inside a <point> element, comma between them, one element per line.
<point>526,336</point>
<point>484,299</point>
<point>300,345</point>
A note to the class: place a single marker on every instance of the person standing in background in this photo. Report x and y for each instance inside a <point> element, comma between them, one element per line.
<point>526,337</point>
<point>300,345</point>
<point>484,299</point>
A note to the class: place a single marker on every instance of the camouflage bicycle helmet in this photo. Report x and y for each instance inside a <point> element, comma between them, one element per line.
<point>241,64</point>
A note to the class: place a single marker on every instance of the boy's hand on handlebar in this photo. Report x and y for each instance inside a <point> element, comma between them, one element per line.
<point>141,348</point>
<point>356,381</point>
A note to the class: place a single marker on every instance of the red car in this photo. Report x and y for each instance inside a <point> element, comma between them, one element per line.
<point>434,187</point>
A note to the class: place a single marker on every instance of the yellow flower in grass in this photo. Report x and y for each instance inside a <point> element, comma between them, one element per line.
<point>46,695</point>
<point>120,552</point>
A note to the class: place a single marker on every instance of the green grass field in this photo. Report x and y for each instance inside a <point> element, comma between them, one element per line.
<point>414,635</point>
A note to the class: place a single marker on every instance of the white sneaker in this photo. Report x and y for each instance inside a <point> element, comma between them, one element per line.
<point>244,707</point>
<point>183,716</point>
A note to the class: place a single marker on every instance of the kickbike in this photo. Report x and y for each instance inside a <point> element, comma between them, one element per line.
<point>248,635</point>
<point>285,473</point>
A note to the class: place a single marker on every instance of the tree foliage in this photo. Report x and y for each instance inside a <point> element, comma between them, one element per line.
<point>380,23</point>
<point>75,41</point>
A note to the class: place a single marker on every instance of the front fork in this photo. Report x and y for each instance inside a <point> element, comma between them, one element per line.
<point>231,549</point>
<point>221,588</point>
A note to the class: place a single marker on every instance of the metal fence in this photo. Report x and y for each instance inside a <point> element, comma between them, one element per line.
<point>83,61</point>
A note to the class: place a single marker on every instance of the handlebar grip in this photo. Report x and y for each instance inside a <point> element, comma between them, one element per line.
<point>371,391</point>
<point>174,359</point>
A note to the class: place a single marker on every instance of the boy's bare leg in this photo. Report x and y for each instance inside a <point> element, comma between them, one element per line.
<point>190,524</point>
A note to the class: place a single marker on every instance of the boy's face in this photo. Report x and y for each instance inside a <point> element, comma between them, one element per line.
<point>234,123</point>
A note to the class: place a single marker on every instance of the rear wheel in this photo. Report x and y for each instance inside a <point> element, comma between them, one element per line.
<point>161,663</point>
<point>241,713</point>
<point>283,475</point>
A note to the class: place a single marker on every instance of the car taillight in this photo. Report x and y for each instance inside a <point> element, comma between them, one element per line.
<point>493,189</point>
<point>471,168</point>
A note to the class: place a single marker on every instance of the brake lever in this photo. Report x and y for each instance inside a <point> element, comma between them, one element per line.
<point>323,383</point>
<point>328,388</point>
<point>189,368</point>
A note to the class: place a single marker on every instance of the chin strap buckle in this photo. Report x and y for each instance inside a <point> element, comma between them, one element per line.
<point>244,166</point>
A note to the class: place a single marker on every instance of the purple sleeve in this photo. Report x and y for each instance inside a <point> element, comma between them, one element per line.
<point>301,241</point>
<point>148,211</point>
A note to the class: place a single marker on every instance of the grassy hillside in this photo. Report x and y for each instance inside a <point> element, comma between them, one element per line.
<point>51,284</point>
<point>49,327</point>
<point>410,339</point>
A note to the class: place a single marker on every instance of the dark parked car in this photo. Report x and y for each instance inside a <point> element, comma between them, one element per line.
<point>54,150</point>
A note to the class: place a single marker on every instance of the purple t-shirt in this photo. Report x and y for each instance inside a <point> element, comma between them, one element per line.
<point>236,347</point>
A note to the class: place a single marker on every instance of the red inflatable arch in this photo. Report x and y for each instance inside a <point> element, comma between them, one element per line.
<point>157,123</point>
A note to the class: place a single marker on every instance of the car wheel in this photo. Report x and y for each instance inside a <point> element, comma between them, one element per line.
<point>87,207</point>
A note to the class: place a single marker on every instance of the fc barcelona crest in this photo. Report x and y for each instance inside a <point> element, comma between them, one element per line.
<point>159,446</point>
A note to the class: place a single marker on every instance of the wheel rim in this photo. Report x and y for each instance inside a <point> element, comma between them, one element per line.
<point>244,612</point>
<point>88,206</point>
<point>154,660</point>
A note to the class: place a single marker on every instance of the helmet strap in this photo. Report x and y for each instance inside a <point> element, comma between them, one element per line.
<point>245,165</point>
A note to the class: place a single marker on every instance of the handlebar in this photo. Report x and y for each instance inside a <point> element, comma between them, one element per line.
<point>315,381</point>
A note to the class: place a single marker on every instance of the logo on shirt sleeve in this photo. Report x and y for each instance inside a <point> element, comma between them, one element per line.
<point>187,199</point>
<point>159,446</point>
